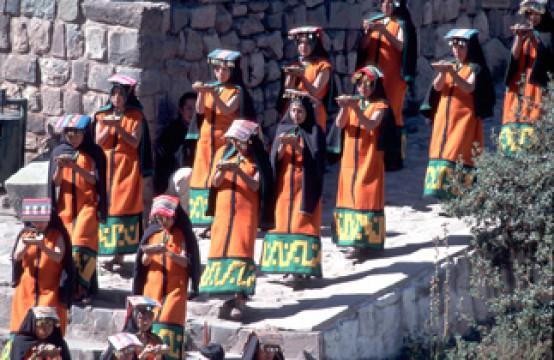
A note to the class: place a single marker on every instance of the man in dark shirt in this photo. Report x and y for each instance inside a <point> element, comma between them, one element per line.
<point>172,149</point>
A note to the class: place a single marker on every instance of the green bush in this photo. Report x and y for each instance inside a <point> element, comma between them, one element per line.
<point>510,210</point>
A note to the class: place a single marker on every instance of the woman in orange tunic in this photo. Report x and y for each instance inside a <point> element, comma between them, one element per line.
<point>218,103</point>
<point>77,168</point>
<point>298,162</point>
<point>461,97</point>
<point>532,58</point>
<point>312,72</point>
<point>167,258</point>
<point>235,197</point>
<point>43,272</point>
<point>122,133</point>
<point>390,44</point>
<point>359,213</point>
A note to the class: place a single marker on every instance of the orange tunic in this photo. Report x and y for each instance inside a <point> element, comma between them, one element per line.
<point>361,183</point>
<point>124,179</point>
<point>211,139</point>
<point>236,213</point>
<point>388,59</point>
<point>311,72</point>
<point>455,126</point>
<point>39,283</point>
<point>289,217</point>
<point>166,281</point>
<point>77,202</point>
<point>528,108</point>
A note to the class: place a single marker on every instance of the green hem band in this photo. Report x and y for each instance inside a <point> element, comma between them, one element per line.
<point>228,276</point>
<point>173,336</point>
<point>119,235</point>
<point>359,228</point>
<point>291,254</point>
<point>198,205</point>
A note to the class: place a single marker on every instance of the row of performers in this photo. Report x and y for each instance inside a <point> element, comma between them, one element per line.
<point>40,337</point>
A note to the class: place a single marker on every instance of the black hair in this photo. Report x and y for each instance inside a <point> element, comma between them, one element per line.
<point>189,95</point>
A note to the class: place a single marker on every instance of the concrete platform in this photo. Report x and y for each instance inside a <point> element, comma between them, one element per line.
<point>29,181</point>
<point>310,315</point>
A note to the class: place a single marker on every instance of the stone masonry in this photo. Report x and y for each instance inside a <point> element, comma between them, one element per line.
<point>58,53</point>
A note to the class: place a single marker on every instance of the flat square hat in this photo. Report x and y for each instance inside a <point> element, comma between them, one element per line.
<point>304,30</point>
<point>45,312</point>
<point>164,205</point>
<point>36,209</point>
<point>72,121</point>
<point>242,130</point>
<point>223,57</point>
<point>465,34</point>
<point>142,301</point>
<point>124,340</point>
<point>122,80</point>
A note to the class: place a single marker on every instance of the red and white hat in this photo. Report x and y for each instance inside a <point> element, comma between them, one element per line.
<point>164,205</point>
<point>36,210</point>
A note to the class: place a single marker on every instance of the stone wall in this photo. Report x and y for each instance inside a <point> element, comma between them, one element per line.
<point>58,53</point>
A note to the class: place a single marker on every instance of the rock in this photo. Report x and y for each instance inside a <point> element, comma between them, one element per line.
<point>11,7</point>
<point>270,117</point>
<point>249,25</point>
<point>290,50</point>
<point>451,9</point>
<point>223,20</point>
<point>273,42</point>
<point>463,22</point>
<point>499,23</point>
<point>258,99</point>
<point>312,3</point>
<point>176,67</point>
<point>317,16</point>
<point>203,17</point>
<point>199,71</point>
<point>53,71</point>
<point>29,182</point>
<point>338,41</point>
<point>4,32</point>
<point>178,87</point>
<point>92,101</point>
<point>274,21</point>
<point>58,40</point>
<point>32,95</point>
<point>427,16</point>
<point>149,17</point>
<point>481,23</point>
<point>150,83</point>
<point>340,64</point>
<point>194,49</point>
<point>211,42</point>
<point>75,43</point>
<point>438,10</point>
<point>72,102</point>
<point>44,9</point>
<point>230,41</point>
<point>253,67</point>
<point>239,10</point>
<point>352,39</point>
<point>98,77</point>
<point>150,50</point>
<point>276,7</point>
<point>416,12</point>
<point>20,37</point>
<point>441,45</point>
<point>180,16</point>
<point>497,55</point>
<point>39,35</point>
<point>68,10</point>
<point>425,75</point>
<point>95,45</point>
<point>123,46</point>
<point>470,6</point>
<point>51,101</point>
<point>426,41</point>
<point>258,5</point>
<point>344,16</point>
<point>35,125</point>
<point>273,71</point>
<point>352,56</point>
<point>79,71</point>
<point>20,68</point>
<point>271,92</point>
<point>297,16</point>
<point>247,46</point>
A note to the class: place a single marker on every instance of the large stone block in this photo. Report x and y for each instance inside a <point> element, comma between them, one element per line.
<point>223,20</point>
<point>93,101</point>
<point>273,71</point>
<point>146,16</point>
<point>271,92</point>
<point>35,124</point>
<point>230,41</point>
<point>297,16</point>
<point>247,46</point>
<point>44,9</point>
<point>338,39</point>
<point>249,25</point>
<point>427,16</point>
<point>58,40</point>
<point>11,7</point>
<point>194,46</point>
<point>20,36</point>
<point>274,21</point>
<point>451,9</point>
<point>98,76</point>
<point>239,10</point>
<point>425,74</point>
<point>497,56</point>
<point>438,11</point>
<point>29,182</point>
<point>180,18</point>
<point>20,68</point>
<point>95,45</point>
<point>79,72</point>
<point>258,5</point>
<point>344,16</point>
<point>211,42</point>
<point>32,94</point>
<point>75,42</point>
<point>51,101</point>
<point>72,102</point>
<point>203,17</point>
<point>4,32</point>
<point>53,71</point>
<point>175,66</point>
<point>123,46</point>
<point>39,35</point>
<point>317,16</point>
<point>441,45</point>
<point>68,10</point>
<point>272,42</point>
<point>481,23</point>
